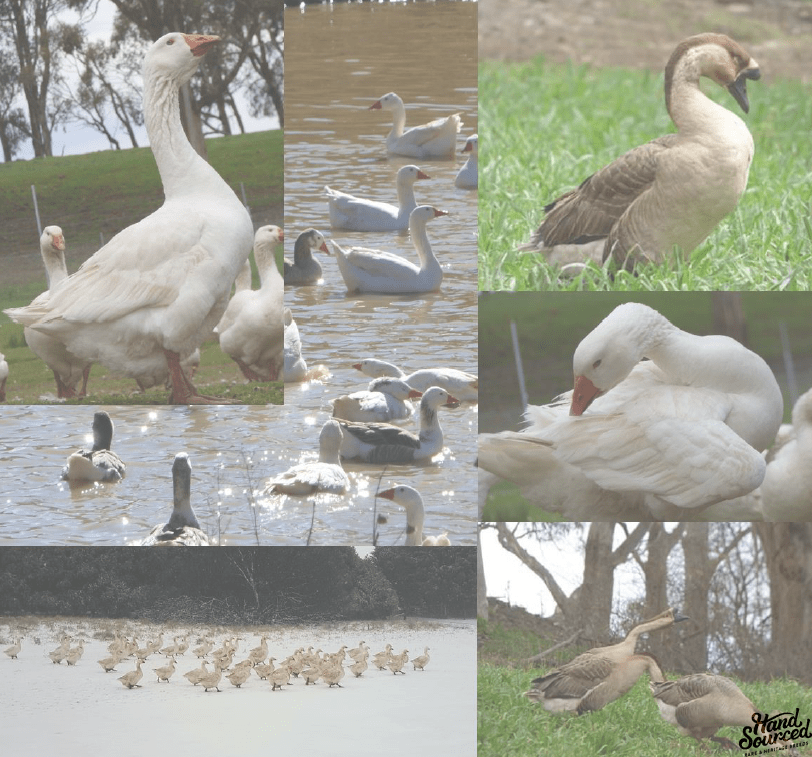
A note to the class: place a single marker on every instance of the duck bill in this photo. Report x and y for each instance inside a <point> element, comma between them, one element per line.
<point>583,392</point>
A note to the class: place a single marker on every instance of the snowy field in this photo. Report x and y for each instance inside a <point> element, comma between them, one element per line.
<point>52,709</point>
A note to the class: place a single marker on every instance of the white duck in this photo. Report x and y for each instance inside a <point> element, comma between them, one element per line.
<point>3,377</point>
<point>435,139</point>
<point>409,498</point>
<point>326,475</point>
<point>464,386</point>
<point>98,463</point>
<point>255,339</point>
<point>305,269</point>
<point>669,435</point>
<point>67,368</point>
<point>182,529</point>
<point>154,292</point>
<point>365,270</point>
<point>386,400</point>
<point>467,177</point>
<point>295,368</point>
<point>385,443</point>
<point>357,214</point>
<point>242,286</point>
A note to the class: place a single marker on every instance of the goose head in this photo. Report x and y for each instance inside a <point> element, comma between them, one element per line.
<point>330,441</point>
<point>422,214</point>
<point>389,101</point>
<point>435,397</point>
<point>268,235</point>
<point>182,513</point>
<point>53,240</point>
<point>308,240</point>
<point>396,387</point>
<point>410,174</point>
<point>470,145</point>
<point>177,56</point>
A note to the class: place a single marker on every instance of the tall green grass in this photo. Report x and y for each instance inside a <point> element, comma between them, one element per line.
<point>546,127</point>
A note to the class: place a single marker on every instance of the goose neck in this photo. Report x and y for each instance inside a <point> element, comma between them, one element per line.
<point>420,240</point>
<point>398,119</point>
<point>405,189</point>
<point>414,524</point>
<point>692,111</point>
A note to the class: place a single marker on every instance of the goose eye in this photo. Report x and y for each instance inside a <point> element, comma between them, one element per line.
<point>596,363</point>
<point>170,42</point>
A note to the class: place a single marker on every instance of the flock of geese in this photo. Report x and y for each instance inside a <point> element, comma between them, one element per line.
<point>308,665</point>
<point>696,705</point>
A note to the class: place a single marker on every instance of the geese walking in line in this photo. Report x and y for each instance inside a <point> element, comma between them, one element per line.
<point>409,498</point>
<point>387,399</point>
<point>305,269</point>
<point>182,529</point>
<point>467,177</point>
<point>98,463</point>
<point>464,386</point>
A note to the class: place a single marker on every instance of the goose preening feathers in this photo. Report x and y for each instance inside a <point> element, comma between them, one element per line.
<point>98,463</point>
<point>601,675</point>
<point>386,443</point>
<point>386,400</point>
<point>669,192</point>
<point>326,475</point>
<point>664,437</point>
<point>182,529</point>
<point>467,177</point>
<point>154,292</point>
<point>435,139</point>
<point>305,269</point>
<point>464,386</point>
<point>377,271</point>
<point>356,214</point>
<point>409,498</point>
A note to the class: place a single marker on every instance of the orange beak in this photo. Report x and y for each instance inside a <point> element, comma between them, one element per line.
<point>583,392</point>
<point>376,106</point>
<point>200,44</point>
<point>388,494</point>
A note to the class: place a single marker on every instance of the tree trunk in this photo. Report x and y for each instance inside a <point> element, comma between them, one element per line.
<point>728,315</point>
<point>699,571</point>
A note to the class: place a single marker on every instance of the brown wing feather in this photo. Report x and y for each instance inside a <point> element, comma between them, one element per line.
<point>575,679</point>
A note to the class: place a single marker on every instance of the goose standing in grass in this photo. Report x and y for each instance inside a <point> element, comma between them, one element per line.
<point>435,139</point>
<point>154,292</point>
<point>409,498</point>
<point>467,177</point>
<point>305,269</point>
<point>14,649</point>
<point>662,438</point>
<point>387,399</point>
<point>385,443</point>
<point>195,675</point>
<point>165,673</point>
<point>422,660</point>
<point>98,463</point>
<point>380,272</point>
<point>356,214</point>
<point>464,386</point>
<point>295,367</point>
<point>669,192</point>
<point>131,679</point>
<point>326,475</point>
<point>255,339</point>
<point>3,377</point>
<point>182,529</point>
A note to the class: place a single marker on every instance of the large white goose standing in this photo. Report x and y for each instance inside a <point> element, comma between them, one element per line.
<point>468,175</point>
<point>435,139</point>
<point>669,192</point>
<point>365,270</point>
<point>154,292</point>
<point>255,339</point>
<point>357,214</point>
<point>464,386</point>
<point>667,436</point>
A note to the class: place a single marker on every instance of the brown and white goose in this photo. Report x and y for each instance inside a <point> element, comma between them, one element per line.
<point>669,192</point>
<point>601,675</point>
<point>99,463</point>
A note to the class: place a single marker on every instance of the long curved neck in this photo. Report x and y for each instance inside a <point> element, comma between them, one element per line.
<point>405,193</point>
<point>414,524</point>
<point>420,240</point>
<point>301,251</point>
<point>182,512</point>
<point>398,119</point>
<point>55,267</point>
<point>429,422</point>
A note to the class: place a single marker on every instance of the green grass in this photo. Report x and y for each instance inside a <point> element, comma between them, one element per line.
<point>548,126</point>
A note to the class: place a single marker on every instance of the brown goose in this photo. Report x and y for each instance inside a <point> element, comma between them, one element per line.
<point>672,191</point>
<point>601,675</point>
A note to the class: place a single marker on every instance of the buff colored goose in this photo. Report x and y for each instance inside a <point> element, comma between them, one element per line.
<point>467,177</point>
<point>332,674</point>
<point>212,680</point>
<point>357,214</point>
<point>305,269</point>
<point>664,437</point>
<point>109,663</point>
<point>66,367</point>
<point>3,377</point>
<point>98,463</point>
<point>165,673</point>
<point>182,529</point>
<point>464,386</point>
<point>359,652</point>
<point>240,674</point>
<point>601,675</point>
<point>196,675</point>
<point>410,499</point>
<point>435,139</point>
<point>386,400</point>
<point>14,649</point>
<point>312,674</point>
<point>75,654</point>
<point>279,677</point>
<point>131,679</point>
<point>376,271</point>
<point>263,670</point>
<point>326,475</point>
<point>255,339</point>
<point>154,292</point>
<point>358,668</point>
<point>396,662</point>
<point>422,660</point>
<point>203,649</point>
<point>295,367</point>
<point>380,659</point>
<point>386,443</point>
<point>669,192</point>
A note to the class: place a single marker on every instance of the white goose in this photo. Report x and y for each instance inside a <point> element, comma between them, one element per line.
<point>365,270</point>
<point>409,498</point>
<point>295,367</point>
<point>384,443</point>
<point>182,529</point>
<point>3,377</point>
<point>326,475</point>
<point>669,192</point>
<point>435,139</point>
<point>669,435</point>
<point>242,287</point>
<point>14,649</point>
<point>386,400</point>
<point>464,386</point>
<point>305,269</point>
<point>255,340</point>
<point>98,463</point>
<point>467,177</point>
<point>154,292</point>
<point>356,214</point>
<point>67,368</point>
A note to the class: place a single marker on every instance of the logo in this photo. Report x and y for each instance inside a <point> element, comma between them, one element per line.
<point>779,731</point>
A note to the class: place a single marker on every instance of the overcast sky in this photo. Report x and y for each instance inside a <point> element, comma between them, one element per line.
<point>76,138</point>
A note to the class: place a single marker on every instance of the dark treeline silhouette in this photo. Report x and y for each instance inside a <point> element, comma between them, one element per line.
<point>238,584</point>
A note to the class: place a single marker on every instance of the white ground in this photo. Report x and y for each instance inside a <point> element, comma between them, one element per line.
<point>48,709</point>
